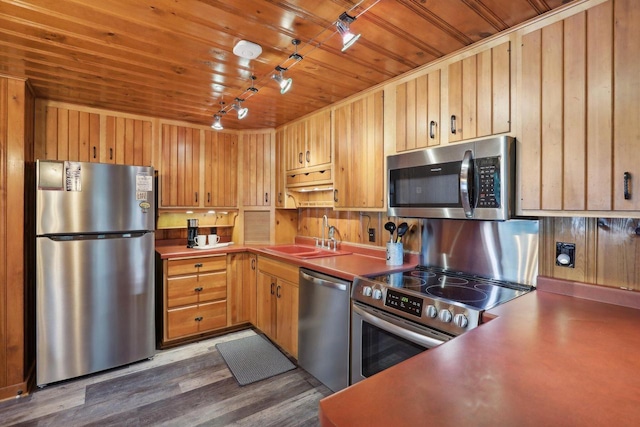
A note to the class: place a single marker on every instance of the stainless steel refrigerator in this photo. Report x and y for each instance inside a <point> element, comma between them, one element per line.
<point>95,267</point>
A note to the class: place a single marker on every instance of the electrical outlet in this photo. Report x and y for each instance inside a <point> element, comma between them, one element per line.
<point>372,234</point>
<point>565,254</point>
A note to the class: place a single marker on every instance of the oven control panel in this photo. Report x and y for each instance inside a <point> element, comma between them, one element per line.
<point>445,316</point>
<point>405,303</point>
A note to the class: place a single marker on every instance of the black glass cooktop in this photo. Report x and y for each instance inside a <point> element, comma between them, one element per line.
<point>479,292</point>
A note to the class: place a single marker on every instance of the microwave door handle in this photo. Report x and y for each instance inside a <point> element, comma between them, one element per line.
<point>465,193</point>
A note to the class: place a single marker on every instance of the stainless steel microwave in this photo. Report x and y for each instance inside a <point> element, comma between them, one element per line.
<point>473,180</point>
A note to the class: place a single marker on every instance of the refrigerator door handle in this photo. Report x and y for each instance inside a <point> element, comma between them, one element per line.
<point>69,237</point>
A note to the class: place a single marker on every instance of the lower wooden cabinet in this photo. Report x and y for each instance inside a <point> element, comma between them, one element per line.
<point>241,288</point>
<point>194,297</point>
<point>277,303</point>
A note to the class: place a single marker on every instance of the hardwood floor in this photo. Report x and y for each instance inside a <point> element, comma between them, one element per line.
<point>186,386</point>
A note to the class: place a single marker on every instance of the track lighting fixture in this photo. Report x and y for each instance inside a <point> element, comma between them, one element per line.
<point>295,55</point>
<point>285,84</point>
<point>342,25</point>
<point>217,125</point>
<point>242,111</point>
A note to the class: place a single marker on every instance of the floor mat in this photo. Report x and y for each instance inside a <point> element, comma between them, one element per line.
<point>253,359</point>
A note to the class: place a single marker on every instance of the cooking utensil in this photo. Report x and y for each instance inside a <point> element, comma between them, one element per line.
<point>390,227</point>
<point>402,229</point>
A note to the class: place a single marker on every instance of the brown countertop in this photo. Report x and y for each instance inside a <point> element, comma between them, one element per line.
<point>547,359</point>
<point>361,260</point>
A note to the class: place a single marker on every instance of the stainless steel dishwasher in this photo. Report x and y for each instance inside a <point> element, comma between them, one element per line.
<point>324,327</point>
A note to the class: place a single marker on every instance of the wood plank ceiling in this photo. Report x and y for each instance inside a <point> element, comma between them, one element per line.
<point>173,58</point>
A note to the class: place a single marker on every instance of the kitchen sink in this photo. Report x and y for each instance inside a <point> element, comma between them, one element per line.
<point>304,251</point>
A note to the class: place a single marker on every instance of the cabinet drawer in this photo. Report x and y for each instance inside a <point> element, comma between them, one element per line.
<point>308,177</point>
<point>185,290</point>
<point>197,265</point>
<point>279,269</point>
<point>195,319</point>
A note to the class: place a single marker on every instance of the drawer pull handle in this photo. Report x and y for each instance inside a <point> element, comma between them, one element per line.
<point>94,152</point>
<point>453,124</point>
<point>198,265</point>
<point>432,130</point>
<point>253,264</point>
<point>278,295</point>
<point>198,319</point>
<point>198,289</point>
<point>273,286</point>
<point>308,156</point>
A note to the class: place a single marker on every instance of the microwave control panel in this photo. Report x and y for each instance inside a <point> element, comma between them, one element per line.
<point>488,174</point>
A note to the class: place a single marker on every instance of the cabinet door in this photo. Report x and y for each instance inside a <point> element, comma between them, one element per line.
<point>627,105</point>
<point>180,171</point>
<point>295,135</point>
<point>479,94</point>
<point>280,169</point>
<point>287,316</point>
<point>128,141</point>
<point>265,304</point>
<point>359,158</point>
<point>418,112</point>
<point>241,288</point>
<point>318,139</point>
<point>221,169</point>
<point>72,135</point>
<point>577,138</point>
<point>257,161</point>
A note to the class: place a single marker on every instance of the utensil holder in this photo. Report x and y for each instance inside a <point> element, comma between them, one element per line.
<point>395,253</point>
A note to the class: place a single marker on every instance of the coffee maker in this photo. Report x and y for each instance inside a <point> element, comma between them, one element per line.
<point>192,232</point>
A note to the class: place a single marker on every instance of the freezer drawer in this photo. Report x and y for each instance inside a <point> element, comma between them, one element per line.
<point>94,304</point>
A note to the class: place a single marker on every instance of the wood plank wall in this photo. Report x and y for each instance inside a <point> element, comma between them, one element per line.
<point>17,240</point>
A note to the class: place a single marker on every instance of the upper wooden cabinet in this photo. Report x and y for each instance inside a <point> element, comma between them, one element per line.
<point>220,169</point>
<point>308,142</point>
<point>479,94</point>
<point>257,159</point>
<point>418,112</point>
<point>85,136</point>
<point>359,153</point>
<point>127,141</point>
<point>180,171</point>
<point>580,86</point>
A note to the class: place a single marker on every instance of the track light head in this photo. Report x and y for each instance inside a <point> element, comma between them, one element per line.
<point>342,25</point>
<point>285,84</point>
<point>242,111</point>
<point>217,124</point>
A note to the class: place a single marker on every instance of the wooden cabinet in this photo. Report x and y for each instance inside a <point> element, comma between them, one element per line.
<point>580,86</point>
<point>78,134</point>
<point>308,142</point>
<point>479,94</point>
<point>277,303</point>
<point>283,200</point>
<point>257,159</point>
<point>220,169</point>
<point>418,112</point>
<point>194,297</point>
<point>241,288</point>
<point>180,171</point>
<point>359,154</point>
<point>127,141</point>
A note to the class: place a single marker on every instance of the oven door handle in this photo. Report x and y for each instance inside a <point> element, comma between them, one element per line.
<point>402,332</point>
<point>465,185</point>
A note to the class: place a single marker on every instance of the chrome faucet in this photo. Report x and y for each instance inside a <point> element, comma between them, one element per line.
<point>325,224</point>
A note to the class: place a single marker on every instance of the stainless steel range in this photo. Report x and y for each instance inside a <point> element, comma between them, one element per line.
<point>466,267</point>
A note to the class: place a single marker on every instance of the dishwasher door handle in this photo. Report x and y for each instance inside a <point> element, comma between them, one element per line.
<point>322,282</point>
